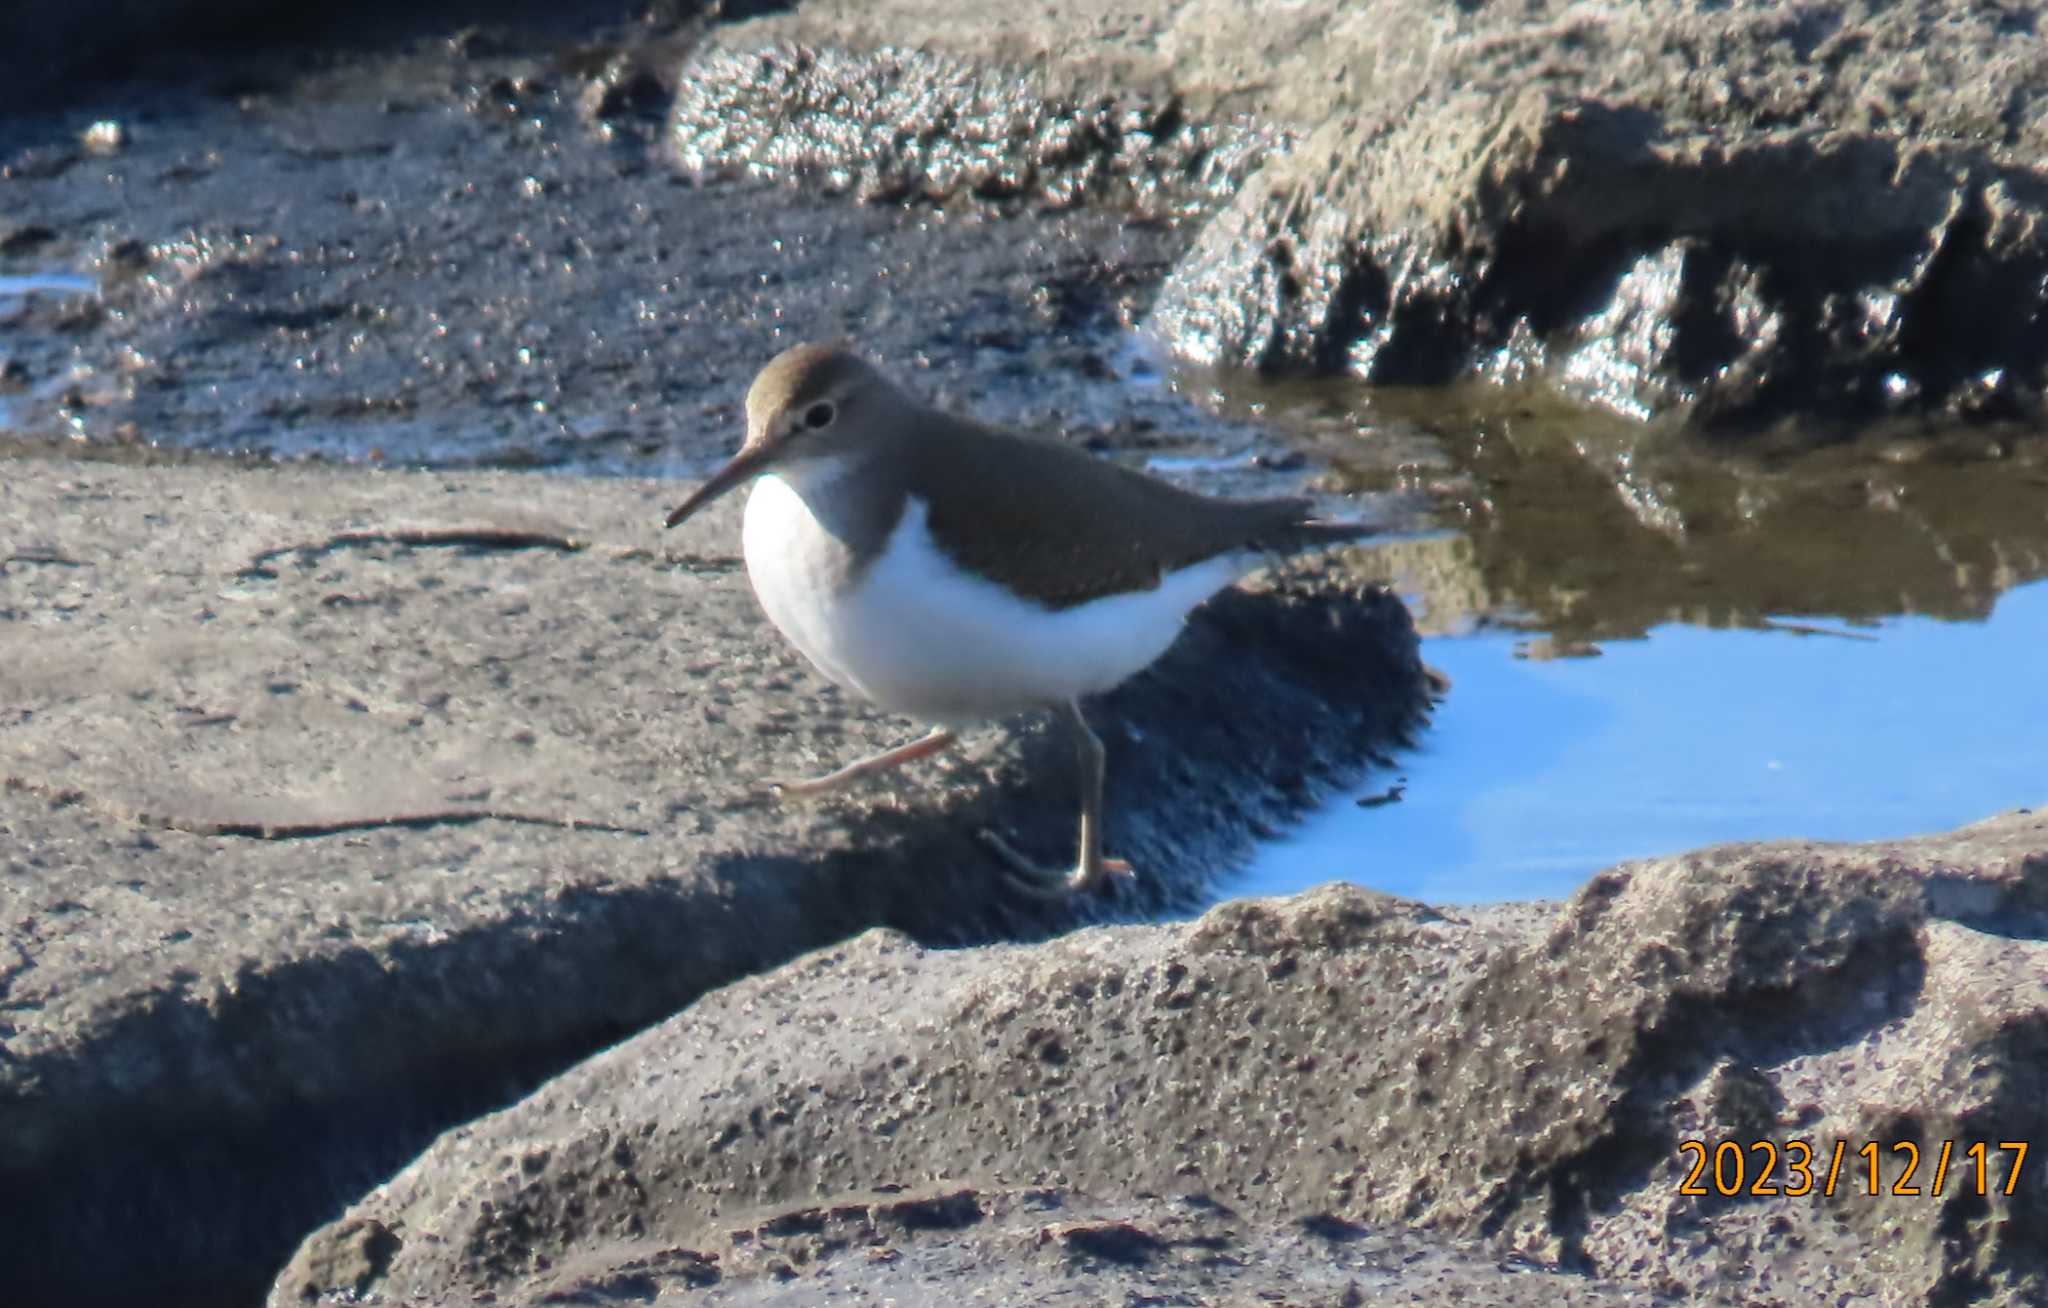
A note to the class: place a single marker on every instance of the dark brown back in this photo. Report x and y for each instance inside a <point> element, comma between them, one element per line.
<point>1110,529</point>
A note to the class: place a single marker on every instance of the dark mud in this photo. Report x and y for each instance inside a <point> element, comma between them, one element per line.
<point>485,252</point>
<point>439,260</point>
<point>67,55</point>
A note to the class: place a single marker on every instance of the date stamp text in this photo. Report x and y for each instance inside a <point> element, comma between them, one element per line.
<point>1900,1169</point>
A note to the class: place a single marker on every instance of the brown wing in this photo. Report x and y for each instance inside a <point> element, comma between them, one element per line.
<point>1057,525</point>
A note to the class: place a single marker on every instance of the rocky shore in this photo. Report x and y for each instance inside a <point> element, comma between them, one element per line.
<point>1728,215</point>
<point>346,815</point>
<point>1241,1108</point>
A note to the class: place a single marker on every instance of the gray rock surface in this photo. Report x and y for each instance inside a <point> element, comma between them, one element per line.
<point>1519,1078</point>
<point>337,806</point>
<point>941,1246</point>
<point>1730,212</point>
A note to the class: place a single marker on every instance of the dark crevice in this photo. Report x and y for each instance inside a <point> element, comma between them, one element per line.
<point>482,539</point>
<point>310,830</point>
<point>407,821</point>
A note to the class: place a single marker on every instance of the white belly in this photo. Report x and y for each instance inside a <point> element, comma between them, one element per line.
<point>919,637</point>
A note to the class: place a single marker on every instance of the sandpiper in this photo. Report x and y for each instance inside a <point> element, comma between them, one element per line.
<point>954,573</point>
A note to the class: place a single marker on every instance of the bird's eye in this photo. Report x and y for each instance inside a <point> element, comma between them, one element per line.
<point>819,415</point>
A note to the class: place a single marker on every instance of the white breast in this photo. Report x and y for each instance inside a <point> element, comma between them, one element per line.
<point>918,636</point>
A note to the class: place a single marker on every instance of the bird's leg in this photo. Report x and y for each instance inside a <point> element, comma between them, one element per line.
<point>932,742</point>
<point>1091,868</point>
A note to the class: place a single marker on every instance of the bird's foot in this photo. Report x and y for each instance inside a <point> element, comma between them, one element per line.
<point>1041,882</point>
<point>939,738</point>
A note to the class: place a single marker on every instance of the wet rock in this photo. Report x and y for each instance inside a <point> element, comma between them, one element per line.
<point>1632,263</point>
<point>899,124</point>
<point>1729,213</point>
<point>337,807</point>
<point>108,136</point>
<point>1342,1062</point>
<point>623,89</point>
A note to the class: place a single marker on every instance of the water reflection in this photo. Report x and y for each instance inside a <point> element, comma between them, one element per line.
<point>1594,526</point>
<point>1774,641</point>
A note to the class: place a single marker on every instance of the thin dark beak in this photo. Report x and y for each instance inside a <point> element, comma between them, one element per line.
<point>749,461</point>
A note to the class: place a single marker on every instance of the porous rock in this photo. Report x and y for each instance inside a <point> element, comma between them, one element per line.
<point>1522,1080</point>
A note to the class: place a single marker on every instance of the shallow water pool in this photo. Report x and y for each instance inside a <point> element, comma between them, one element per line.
<point>1658,644</point>
<point>1538,772</point>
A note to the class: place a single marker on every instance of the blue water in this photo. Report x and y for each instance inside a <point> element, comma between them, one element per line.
<point>1536,774</point>
<point>16,288</point>
<point>13,287</point>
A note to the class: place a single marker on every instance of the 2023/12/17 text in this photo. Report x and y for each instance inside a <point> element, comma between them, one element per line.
<point>1794,1169</point>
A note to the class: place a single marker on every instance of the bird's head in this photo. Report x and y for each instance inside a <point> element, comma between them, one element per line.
<point>811,401</point>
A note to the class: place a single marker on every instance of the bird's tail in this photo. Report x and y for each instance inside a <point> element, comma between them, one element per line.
<point>1290,530</point>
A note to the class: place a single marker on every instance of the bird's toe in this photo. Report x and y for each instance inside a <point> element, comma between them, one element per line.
<point>1042,882</point>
